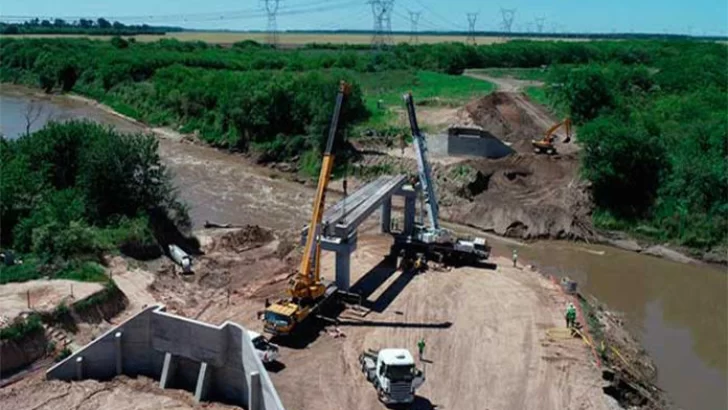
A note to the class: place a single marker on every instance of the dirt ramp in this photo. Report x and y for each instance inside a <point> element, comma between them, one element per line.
<point>501,115</point>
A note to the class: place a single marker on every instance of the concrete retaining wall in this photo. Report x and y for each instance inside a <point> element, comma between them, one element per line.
<point>213,362</point>
<point>468,142</point>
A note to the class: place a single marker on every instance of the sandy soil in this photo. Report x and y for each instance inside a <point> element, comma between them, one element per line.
<point>44,294</point>
<point>519,361</point>
<point>122,393</point>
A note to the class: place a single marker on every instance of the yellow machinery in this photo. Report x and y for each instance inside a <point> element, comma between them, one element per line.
<point>546,144</point>
<point>307,292</point>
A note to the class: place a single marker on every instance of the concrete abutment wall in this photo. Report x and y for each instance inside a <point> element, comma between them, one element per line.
<point>215,363</point>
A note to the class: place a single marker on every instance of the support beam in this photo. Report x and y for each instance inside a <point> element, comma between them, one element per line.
<point>168,370</point>
<point>386,216</point>
<point>79,368</point>
<point>203,382</point>
<point>255,398</point>
<point>343,269</point>
<point>117,351</point>
<point>409,214</point>
<point>358,215</point>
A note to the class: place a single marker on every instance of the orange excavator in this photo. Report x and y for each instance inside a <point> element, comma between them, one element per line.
<point>546,144</point>
<point>307,291</point>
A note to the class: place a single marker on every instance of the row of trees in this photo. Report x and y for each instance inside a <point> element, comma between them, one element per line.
<point>76,189</point>
<point>655,142</point>
<point>81,26</point>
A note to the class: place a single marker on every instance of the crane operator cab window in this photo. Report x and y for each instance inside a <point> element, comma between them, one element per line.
<point>277,319</point>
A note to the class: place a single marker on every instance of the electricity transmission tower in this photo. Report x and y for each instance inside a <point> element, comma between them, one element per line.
<point>414,18</point>
<point>471,27</point>
<point>540,21</point>
<point>508,15</point>
<point>271,8</point>
<point>382,16</point>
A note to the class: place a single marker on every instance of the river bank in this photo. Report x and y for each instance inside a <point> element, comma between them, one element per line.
<point>659,298</point>
<point>716,256</point>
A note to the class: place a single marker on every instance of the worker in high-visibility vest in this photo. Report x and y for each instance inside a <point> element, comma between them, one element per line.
<point>570,316</point>
<point>421,347</point>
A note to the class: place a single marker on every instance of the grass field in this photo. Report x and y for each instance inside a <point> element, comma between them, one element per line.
<point>295,39</point>
<point>383,92</point>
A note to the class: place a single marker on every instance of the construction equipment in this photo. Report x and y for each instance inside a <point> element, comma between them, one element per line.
<point>307,291</point>
<point>546,144</point>
<point>433,241</point>
<point>393,374</point>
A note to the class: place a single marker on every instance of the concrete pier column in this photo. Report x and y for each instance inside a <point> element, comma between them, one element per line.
<point>117,351</point>
<point>343,264</point>
<point>79,368</point>
<point>255,398</point>
<point>386,216</point>
<point>168,369</point>
<point>409,214</point>
<point>203,382</point>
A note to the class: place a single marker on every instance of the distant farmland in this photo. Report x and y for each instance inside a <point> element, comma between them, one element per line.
<point>297,39</point>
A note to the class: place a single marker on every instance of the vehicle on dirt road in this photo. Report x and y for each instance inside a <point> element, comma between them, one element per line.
<point>267,352</point>
<point>393,374</point>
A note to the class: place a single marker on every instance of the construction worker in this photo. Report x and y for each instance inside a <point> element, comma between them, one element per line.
<point>421,347</point>
<point>515,257</point>
<point>570,316</point>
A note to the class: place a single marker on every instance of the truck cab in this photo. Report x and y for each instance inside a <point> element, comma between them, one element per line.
<point>267,352</point>
<point>395,376</point>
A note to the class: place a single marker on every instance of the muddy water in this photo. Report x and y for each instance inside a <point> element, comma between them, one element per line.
<point>680,312</point>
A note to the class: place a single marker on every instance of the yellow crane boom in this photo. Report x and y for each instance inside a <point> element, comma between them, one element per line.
<point>306,289</point>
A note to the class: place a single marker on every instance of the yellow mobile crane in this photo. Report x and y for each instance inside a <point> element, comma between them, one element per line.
<point>307,292</point>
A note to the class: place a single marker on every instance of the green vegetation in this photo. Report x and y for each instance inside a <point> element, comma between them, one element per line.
<point>75,190</point>
<point>63,354</point>
<point>651,116</point>
<point>83,26</point>
<point>22,328</point>
<point>109,291</point>
<point>654,138</point>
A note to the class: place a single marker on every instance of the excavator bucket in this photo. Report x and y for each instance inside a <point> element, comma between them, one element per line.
<point>567,139</point>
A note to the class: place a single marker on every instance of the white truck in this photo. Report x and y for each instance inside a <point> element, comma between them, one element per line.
<point>393,374</point>
<point>267,351</point>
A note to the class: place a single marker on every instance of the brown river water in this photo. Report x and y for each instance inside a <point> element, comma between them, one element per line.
<point>678,311</point>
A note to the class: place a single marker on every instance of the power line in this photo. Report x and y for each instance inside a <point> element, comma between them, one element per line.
<point>508,15</point>
<point>540,23</point>
<point>450,23</point>
<point>414,19</point>
<point>271,8</point>
<point>471,27</point>
<point>382,19</point>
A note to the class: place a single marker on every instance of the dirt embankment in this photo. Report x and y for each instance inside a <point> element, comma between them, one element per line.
<point>16,354</point>
<point>524,195</point>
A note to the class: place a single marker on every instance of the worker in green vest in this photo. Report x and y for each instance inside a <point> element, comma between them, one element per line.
<point>570,316</point>
<point>421,346</point>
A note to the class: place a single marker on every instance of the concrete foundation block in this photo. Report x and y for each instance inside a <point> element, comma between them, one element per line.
<point>203,382</point>
<point>255,398</point>
<point>409,214</point>
<point>168,369</point>
<point>118,352</point>
<point>343,269</point>
<point>386,215</point>
<point>79,368</point>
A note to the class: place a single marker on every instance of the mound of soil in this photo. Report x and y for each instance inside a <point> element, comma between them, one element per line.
<point>524,196</point>
<point>240,240</point>
<point>505,118</point>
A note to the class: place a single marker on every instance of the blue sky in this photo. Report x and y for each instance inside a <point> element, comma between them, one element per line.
<point>697,17</point>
